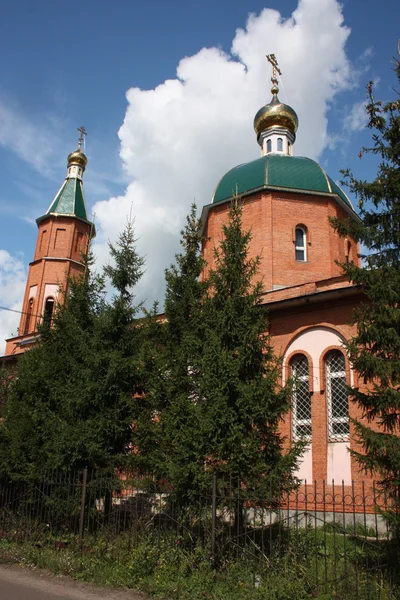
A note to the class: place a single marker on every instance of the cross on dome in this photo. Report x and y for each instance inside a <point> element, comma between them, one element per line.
<point>275,123</point>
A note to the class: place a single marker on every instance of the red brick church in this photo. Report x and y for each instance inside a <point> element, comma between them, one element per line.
<point>287,202</point>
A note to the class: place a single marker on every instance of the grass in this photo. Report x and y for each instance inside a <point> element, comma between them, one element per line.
<point>320,566</point>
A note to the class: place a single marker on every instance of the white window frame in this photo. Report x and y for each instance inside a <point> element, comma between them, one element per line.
<point>302,248</point>
<point>335,437</point>
<point>305,378</point>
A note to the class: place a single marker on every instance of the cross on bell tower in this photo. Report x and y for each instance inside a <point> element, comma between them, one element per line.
<point>82,138</point>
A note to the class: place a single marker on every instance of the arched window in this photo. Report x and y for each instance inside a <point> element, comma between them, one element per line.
<point>48,311</point>
<point>28,316</point>
<point>336,397</point>
<point>349,253</point>
<point>289,148</point>
<point>301,398</point>
<point>280,144</point>
<point>300,243</point>
<point>269,145</point>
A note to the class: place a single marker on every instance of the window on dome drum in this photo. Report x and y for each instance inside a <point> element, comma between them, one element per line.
<point>336,397</point>
<point>289,148</point>
<point>28,317</point>
<point>301,398</point>
<point>300,244</point>
<point>280,145</point>
<point>48,311</point>
<point>269,145</point>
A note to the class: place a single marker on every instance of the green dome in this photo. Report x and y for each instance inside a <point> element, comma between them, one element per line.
<point>276,171</point>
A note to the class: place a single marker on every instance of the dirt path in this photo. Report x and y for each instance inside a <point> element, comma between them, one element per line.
<point>17,583</point>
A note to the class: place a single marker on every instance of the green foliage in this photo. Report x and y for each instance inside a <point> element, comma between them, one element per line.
<point>215,387</point>
<point>240,400</point>
<point>375,349</point>
<point>167,425</point>
<point>70,404</point>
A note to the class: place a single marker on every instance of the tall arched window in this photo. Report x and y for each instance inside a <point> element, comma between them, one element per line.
<point>48,311</point>
<point>280,145</point>
<point>269,145</point>
<point>300,243</point>
<point>289,148</point>
<point>301,398</point>
<point>349,252</point>
<point>336,397</point>
<point>29,316</point>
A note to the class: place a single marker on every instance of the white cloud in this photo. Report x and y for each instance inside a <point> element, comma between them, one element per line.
<point>24,138</point>
<point>12,287</point>
<point>357,118</point>
<point>178,139</point>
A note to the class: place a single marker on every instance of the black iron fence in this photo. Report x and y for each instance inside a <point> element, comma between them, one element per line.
<point>335,532</point>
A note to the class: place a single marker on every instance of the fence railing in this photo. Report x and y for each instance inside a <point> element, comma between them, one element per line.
<point>334,531</point>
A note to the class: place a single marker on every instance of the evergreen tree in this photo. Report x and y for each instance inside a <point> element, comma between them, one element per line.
<point>167,428</point>
<point>240,400</point>
<point>375,348</point>
<point>71,403</point>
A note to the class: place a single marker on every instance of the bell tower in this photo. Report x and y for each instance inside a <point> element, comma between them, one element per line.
<point>64,232</point>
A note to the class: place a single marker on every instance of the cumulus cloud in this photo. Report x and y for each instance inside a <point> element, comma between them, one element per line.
<point>178,139</point>
<point>12,287</point>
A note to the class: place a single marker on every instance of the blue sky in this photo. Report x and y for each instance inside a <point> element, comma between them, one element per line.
<point>64,65</point>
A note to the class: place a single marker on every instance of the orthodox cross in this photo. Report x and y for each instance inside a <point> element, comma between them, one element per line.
<point>81,140</point>
<point>271,58</point>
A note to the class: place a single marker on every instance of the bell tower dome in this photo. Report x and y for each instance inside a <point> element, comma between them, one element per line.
<point>64,232</point>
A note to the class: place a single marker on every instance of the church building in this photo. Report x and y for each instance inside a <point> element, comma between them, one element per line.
<point>287,201</point>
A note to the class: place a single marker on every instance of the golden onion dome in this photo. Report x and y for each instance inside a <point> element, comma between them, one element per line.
<point>275,114</point>
<point>77,158</point>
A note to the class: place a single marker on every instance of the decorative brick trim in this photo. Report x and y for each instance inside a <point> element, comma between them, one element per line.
<point>310,368</point>
<point>322,369</point>
<point>304,328</point>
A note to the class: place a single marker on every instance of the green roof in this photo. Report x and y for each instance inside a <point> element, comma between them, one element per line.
<point>69,200</point>
<point>278,171</point>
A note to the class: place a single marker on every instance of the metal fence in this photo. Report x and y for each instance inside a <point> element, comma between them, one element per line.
<point>335,532</point>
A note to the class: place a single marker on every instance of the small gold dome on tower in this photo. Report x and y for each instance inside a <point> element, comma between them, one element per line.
<point>275,114</point>
<point>77,158</point>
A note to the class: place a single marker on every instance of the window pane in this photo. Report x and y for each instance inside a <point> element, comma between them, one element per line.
<point>269,145</point>
<point>303,431</point>
<point>303,408</point>
<point>280,145</point>
<point>300,238</point>
<point>340,402</point>
<point>299,254</point>
<point>341,428</point>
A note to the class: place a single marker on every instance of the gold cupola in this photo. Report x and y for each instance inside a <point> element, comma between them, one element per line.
<point>275,123</point>
<point>77,160</point>
<point>275,114</point>
<point>77,157</point>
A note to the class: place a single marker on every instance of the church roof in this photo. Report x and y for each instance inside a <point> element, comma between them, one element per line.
<point>278,172</point>
<point>69,200</point>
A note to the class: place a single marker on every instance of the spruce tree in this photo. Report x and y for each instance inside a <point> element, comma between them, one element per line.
<point>375,348</point>
<point>70,405</point>
<point>168,443</point>
<point>240,399</point>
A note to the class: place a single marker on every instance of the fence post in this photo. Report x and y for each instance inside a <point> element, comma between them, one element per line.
<point>214,518</point>
<point>82,513</point>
